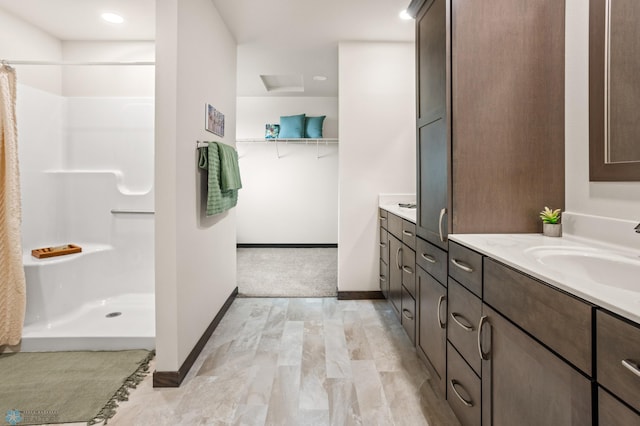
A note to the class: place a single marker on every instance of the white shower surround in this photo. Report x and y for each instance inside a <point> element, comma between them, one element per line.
<point>80,159</point>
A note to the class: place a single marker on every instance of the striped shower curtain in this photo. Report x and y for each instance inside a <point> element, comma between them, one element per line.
<point>12,281</point>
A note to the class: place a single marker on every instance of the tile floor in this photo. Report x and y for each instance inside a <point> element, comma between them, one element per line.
<point>298,362</point>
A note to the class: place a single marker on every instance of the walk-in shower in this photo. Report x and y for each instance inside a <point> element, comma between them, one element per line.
<point>86,164</point>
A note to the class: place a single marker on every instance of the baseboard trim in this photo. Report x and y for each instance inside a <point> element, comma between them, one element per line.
<point>292,245</point>
<point>360,295</point>
<point>173,379</point>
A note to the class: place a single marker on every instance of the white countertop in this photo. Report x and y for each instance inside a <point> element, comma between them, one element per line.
<point>511,249</point>
<point>403,212</point>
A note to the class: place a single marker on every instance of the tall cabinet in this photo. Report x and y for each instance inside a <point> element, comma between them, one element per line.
<point>490,115</point>
<point>490,156</point>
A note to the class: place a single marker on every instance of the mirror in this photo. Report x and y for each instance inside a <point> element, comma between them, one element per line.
<point>614,90</point>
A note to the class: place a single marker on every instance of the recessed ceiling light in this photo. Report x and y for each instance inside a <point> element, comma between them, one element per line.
<point>405,15</point>
<point>320,78</point>
<point>112,18</point>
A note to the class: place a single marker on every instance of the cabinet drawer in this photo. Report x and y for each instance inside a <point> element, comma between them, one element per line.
<point>465,310</point>
<point>612,412</point>
<point>560,321</point>
<point>384,245</point>
<point>463,389</point>
<point>409,270</point>
<point>465,266</point>
<point>409,234</point>
<point>409,315</point>
<point>431,334</point>
<point>432,259</point>
<point>618,357</point>
<point>383,218</point>
<point>384,279</point>
<point>395,225</point>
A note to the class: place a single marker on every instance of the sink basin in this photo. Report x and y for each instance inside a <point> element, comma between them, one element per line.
<point>604,267</point>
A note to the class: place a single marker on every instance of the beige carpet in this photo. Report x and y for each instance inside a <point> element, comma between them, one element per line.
<point>67,387</point>
<point>287,272</point>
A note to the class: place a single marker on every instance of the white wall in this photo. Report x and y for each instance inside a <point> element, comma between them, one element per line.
<point>41,117</point>
<point>195,255</point>
<point>377,149</point>
<point>292,199</point>
<point>109,81</point>
<point>255,112</point>
<point>619,200</point>
<point>22,41</point>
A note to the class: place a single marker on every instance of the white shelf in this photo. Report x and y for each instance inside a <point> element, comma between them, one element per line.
<point>299,140</point>
<point>302,141</point>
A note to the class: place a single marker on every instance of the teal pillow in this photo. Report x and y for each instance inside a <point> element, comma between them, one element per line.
<point>313,127</point>
<point>292,127</point>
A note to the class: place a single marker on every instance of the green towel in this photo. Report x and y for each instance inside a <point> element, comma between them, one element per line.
<point>229,169</point>
<point>221,163</point>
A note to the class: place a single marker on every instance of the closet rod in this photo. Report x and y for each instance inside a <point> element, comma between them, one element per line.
<point>9,62</point>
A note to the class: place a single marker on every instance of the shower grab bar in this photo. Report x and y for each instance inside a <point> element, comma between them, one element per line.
<point>115,211</point>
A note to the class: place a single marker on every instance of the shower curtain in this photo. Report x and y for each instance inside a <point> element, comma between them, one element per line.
<point>12,281</point>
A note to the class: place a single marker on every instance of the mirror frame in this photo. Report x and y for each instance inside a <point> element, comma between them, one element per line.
<point>598,169</point>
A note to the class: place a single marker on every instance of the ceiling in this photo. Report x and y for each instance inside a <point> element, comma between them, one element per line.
<point>275,37</point>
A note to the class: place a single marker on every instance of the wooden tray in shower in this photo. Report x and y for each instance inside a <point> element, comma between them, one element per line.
<point>45,252</point>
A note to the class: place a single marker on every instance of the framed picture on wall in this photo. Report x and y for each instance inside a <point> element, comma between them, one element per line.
<point>214,120</point>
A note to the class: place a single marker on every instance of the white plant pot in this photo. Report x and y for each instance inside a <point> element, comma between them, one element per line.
<point>552,229</point>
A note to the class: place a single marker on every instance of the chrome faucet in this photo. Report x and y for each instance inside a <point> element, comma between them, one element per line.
<point>637,228</point>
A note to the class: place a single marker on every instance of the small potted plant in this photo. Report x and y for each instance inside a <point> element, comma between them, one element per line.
<point>551,226</point>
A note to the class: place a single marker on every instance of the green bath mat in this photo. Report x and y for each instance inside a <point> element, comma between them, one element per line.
<point>67,387</point>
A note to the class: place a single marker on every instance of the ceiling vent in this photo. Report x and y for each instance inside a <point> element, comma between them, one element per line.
<point>283,83</point>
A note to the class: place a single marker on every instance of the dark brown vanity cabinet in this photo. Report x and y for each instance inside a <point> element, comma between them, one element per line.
<point>490,115</point>
<point>535,344</point>
<point>395,274</point>
<point>399,284</point>
<point>431,339</point>
<point>464,311</point>
<point>524,383</point>
<point>384,252</point>
<point>520,352</point>
<point>618,367</point>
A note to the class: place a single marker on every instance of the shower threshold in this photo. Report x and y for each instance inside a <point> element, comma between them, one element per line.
<point>118,323</point>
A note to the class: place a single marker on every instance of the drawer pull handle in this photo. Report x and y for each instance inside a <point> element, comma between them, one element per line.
<point>407,313</point>
<point>428,257</point>
<point>383,279</point>
<point>461,265</point>
<point>631,366</point>
<point>383,218</point>
<point>407,270</point>
<point>442,213</point>
<point>440,300</point>
<point>407,233</point>
<point>383,244</point>
<point>455,383</point>
<point>483,355</point>
<point>398,257</point>
<point>465,327</point>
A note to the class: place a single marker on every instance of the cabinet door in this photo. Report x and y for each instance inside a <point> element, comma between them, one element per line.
<point>409,315</point>
<point>432,123</point>
<point>523,383</point>
<point>384,279</point>
<point>507,100</point>
<point>432,331</point>
<point>431,28</point>
<point>433,173</point>
<point>409,270</point>
<point>395,274</point>
<point>612,412</point>
<point>384,245</point>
